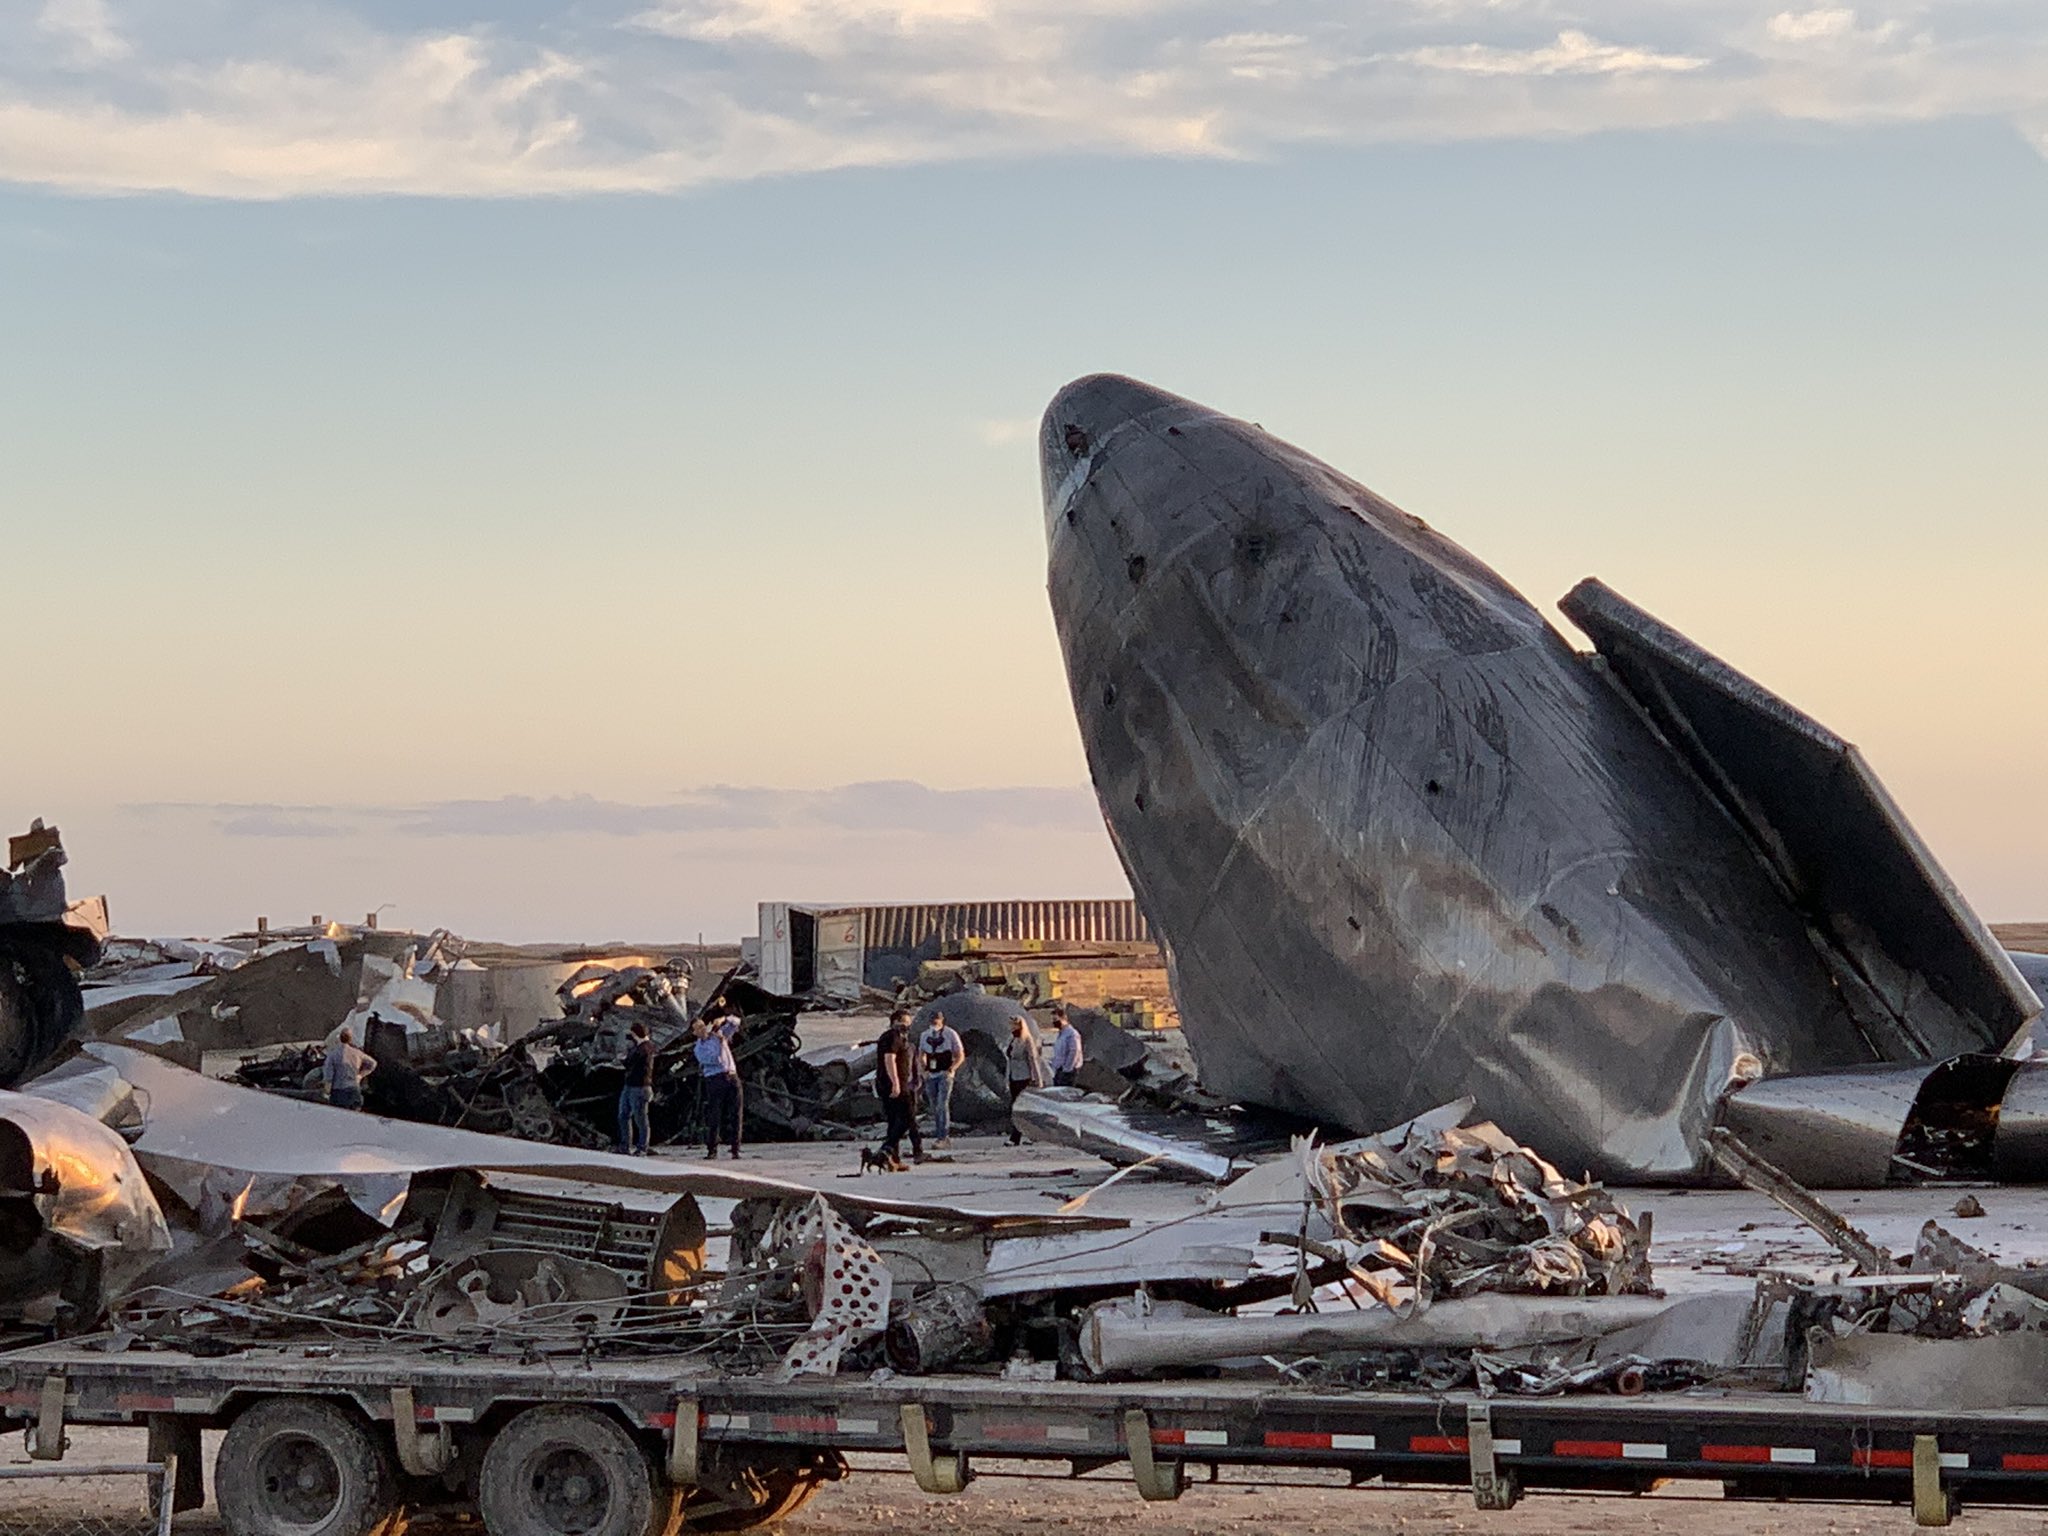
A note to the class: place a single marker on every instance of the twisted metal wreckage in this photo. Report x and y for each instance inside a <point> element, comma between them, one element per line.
<point>1402,843</point>
<point>158,1210</point>
<point>277,1007</point>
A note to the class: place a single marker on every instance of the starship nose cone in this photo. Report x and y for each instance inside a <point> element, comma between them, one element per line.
<point>1401,841</point>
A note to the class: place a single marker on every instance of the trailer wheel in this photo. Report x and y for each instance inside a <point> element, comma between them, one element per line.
<point>298,1466</point>
<point>568,1471</point>
<point>789,1490</point>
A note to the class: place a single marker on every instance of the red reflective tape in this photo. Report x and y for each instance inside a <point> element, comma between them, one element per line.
<point>1296,1440</point>
<point>2025,1461</point>
<point>1747,1453</point>
<point>1604,1450</point>
<point>662,1421</point>
<point>1438,1445</point>
<point>805,1423</point>
<point>145,1404</point>
<point>1169,1437</point>
<point>1881,1458</point>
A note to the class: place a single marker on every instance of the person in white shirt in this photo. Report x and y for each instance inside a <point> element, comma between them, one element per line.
<point>941,1053</point>
<point>344,1069</point>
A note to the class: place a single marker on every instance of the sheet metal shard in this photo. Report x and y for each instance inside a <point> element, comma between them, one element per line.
<point>77,1221</point>
<point>1403,844</point>
<point>1181,1146</point>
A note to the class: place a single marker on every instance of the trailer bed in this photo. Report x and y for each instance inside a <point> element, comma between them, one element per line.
<point>1754,1444</point>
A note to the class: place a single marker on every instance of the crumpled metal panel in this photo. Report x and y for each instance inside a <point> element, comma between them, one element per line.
<point>1920,970</point>
<point>1833,1131</point>
<point>84,1184</point>
<point>1179,1145</point>
<point>1401,843</point>
<point>2019,1152</point>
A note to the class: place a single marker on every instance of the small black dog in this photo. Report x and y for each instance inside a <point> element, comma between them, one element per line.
<point>879,1161</point>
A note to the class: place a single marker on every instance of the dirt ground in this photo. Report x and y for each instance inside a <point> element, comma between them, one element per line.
<point>1000,1503</point>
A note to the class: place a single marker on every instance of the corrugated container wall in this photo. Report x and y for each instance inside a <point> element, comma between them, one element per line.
<point>1050,922</point>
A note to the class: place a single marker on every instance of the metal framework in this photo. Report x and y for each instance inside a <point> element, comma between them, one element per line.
<point>1755,1445</point>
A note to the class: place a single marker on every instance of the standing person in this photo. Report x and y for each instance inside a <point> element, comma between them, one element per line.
<point>1027,1067</point>
<point>344,1070</point>
<point>896,1084</point>
<point>723,1103</point>
<point>634,1130</point>
<point>1066,1048</point>
<point>940,1054</point>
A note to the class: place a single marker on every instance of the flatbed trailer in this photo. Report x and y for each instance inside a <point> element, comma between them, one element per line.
<point>728,1451</point>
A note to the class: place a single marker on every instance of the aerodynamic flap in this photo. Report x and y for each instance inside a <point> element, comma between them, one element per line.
<point>1922,975</point>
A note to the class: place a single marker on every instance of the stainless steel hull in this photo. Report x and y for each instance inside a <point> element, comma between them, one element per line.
<point>1401,842</point>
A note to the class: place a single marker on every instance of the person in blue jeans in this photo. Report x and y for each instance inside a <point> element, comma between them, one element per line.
<point>723,1106</point>
<point>1066,1049</point>
<point>634,1131</point>
<point>942,1053</point>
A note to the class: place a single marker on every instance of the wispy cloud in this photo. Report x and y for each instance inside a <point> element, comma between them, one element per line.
<point>235,99</point>
<point>1571,53</point>
<point>84,26</point>
<point>888,806</point>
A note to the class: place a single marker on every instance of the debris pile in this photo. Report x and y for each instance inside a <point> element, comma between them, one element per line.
<point>264,1219</point>
<point>1947,1324</point>
<point>1125,984</point>
<point>1455,1210</point>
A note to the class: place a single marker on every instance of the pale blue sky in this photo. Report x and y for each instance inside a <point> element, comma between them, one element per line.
<point>600,404</point>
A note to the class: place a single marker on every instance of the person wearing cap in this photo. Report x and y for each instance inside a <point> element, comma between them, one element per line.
<point>635,1133</point>
<point>724,1105</point>
<point>940,1053</point>
<point>1066,1048</point>
<point>896,1063</point>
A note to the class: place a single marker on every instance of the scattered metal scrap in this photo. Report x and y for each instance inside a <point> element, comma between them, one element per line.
<point>1438,1253</point>
<point>294,1220</point>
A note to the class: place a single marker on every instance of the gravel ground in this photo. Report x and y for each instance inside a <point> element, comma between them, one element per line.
<point>997,1505</point>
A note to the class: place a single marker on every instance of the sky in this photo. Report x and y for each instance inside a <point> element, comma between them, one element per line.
<point>565,469</point>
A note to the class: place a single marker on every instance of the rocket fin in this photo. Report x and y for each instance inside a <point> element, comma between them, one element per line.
<point>1920,972</point>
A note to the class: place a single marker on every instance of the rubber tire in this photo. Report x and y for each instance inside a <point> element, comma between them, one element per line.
<point>367,1496</point>
<point>789,1490</point>
<point>639,1500</point>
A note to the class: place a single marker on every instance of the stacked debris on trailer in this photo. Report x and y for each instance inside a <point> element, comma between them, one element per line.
<point>238,1218</point>
<point>1413,1255</point>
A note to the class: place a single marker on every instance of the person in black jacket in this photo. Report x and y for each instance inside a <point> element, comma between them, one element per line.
<point>634,1130</point>
<point>896,1079</point>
